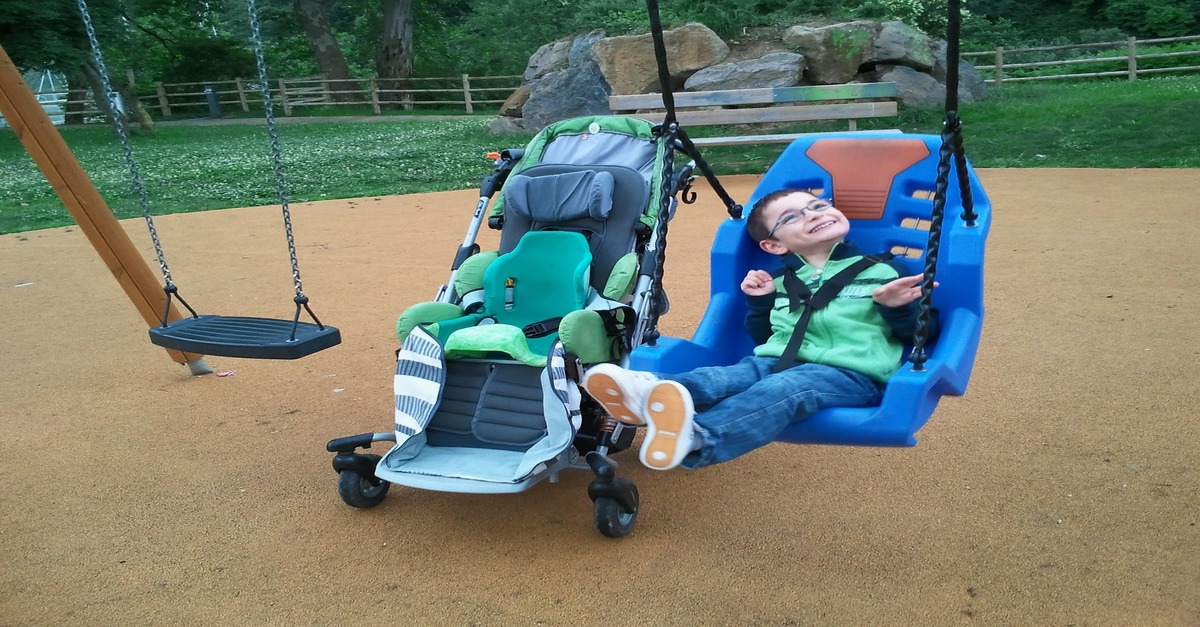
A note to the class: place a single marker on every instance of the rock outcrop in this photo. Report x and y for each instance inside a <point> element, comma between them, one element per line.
<point>574,77</point>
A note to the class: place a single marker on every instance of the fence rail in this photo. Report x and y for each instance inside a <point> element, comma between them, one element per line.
<point>1129,61</point>
<point>292,95</point>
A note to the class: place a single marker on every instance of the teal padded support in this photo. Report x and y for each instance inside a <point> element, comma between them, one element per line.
<point>544,277</point>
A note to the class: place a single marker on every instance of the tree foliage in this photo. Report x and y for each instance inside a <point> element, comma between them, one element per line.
<point>178,40</point>
<point>1154,18</point>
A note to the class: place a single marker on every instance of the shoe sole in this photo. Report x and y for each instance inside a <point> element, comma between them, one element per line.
<point>668,409</point>
<point>609,393</point>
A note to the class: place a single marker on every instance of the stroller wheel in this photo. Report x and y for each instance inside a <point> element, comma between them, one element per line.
<point>360,489</point>
<point>612,518</point>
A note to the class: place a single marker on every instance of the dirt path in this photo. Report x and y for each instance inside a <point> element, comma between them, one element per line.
<point>1063,489</point>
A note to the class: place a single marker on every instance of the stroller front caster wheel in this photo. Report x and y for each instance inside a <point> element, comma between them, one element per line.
<point>359,489</point>
<point>613,519</point>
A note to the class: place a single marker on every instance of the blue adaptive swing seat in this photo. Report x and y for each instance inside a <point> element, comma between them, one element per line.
<point>884,182</point>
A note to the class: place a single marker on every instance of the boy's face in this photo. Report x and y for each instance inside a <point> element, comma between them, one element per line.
<point>802,223</point>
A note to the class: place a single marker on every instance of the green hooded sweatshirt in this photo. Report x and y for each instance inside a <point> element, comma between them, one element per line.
<point>851,332</point>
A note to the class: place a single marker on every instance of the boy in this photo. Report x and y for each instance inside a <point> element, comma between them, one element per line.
<point>850,347</point>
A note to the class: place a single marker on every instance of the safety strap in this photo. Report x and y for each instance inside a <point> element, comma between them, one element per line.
<point>618,325</point>
<point>799,296</point>
<point>541,328</point>
<point>614,325</point>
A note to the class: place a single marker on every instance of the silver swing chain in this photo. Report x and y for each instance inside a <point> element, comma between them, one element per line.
<point>276,153</point>
<point>139,189</point>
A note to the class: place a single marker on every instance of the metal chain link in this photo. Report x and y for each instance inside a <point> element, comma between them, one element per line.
<point>139,189</point>
<point>276,152</point>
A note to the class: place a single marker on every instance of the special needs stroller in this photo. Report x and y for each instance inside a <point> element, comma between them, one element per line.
<point>487,399</point>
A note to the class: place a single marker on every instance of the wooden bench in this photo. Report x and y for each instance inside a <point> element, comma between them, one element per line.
<point>767,105</point>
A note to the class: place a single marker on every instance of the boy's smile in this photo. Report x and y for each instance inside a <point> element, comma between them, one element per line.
<point>822,225</point>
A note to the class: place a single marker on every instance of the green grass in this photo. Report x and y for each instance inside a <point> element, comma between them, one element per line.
<point>1080,124</point>
<point>194,168</point>
<point>1086,124</point>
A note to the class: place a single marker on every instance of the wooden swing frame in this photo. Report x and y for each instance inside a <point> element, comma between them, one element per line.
<point>79,195</point>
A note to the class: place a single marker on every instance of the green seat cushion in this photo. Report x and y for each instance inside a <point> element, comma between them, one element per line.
<point>487,340</point>
<point>423,314</point>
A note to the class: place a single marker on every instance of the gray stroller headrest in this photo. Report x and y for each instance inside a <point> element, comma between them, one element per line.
<point>561,197</point>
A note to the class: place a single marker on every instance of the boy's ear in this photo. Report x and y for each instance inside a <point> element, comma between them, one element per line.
<point>773,247</point>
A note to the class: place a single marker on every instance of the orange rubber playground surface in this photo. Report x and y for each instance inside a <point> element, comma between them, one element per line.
<point>1063,489</point>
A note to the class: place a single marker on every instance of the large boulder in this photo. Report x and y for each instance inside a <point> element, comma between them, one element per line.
<point>971,86</point>
<point>776,69</point>
<point>504,125</point>
<point>915,89</point>
<point>629,65</point>
<point>549,58</point>
<point>514,105</point>
<point>901,44</point>
<point>577,90</point>
<point>833,54</point>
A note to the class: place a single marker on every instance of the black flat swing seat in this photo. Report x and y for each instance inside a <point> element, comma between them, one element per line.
<point>252,338</point>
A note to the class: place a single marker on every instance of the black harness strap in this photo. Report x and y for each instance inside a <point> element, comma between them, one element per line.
<point>618,325</point>
<point>615,325</point>
<point>799,296</point>
<point>541,328</point>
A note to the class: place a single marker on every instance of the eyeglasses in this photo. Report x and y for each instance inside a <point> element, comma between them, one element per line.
<point>789,217</point>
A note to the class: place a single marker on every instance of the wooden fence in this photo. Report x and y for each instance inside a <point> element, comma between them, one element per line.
<point>1125,57</point>
<point>290,94</point>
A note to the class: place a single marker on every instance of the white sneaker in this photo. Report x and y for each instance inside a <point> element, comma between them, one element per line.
<point>622,392</point>
<point>669,432</point>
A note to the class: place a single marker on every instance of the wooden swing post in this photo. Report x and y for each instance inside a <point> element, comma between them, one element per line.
<point>77,192</point>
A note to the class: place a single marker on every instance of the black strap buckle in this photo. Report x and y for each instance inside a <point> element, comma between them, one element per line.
<point>541,328</point>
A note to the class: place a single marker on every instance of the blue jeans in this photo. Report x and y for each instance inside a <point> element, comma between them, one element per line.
<point>744,406</point>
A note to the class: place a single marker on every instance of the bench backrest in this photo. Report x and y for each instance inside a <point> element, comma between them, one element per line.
<point>803,103</point>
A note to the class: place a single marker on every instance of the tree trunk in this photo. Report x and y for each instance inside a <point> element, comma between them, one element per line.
<point>394,63</point>
<point>328,54</point>
<point>134,112</point>
<point>76,92</point>
<point>99,96</point>
<point>134,108</point>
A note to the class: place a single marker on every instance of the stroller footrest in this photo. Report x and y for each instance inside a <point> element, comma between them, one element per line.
<point>471,470</point>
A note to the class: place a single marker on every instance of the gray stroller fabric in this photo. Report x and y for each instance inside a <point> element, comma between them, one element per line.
<point>613,149</point>
<point>609,238</point>
<point>561,197</point>
<point>519,418</point>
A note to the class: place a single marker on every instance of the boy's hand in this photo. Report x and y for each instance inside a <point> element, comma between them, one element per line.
<point>758,283</point>
<point>900,292</point>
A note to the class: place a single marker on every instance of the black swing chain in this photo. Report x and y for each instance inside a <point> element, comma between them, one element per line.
<point>964,181</point>
<point>658,301</point>
<point>918,357</point>
<point>669,130</point>
<point>952,148</point>
<point>276,152</point>
<point>139,189</point>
